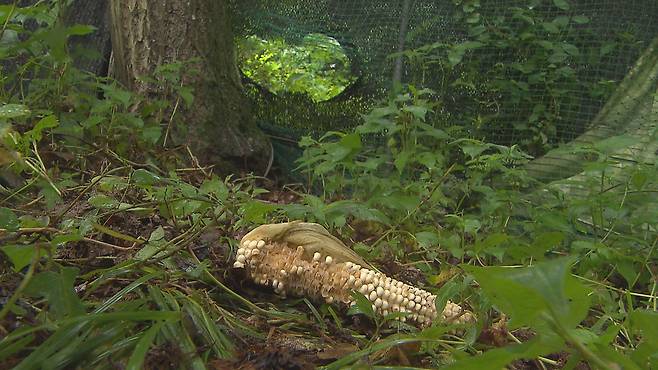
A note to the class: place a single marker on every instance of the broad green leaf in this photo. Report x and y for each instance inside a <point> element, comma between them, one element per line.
<point>391,341</point>
<point>151,134</point>
<point>19,255</point>
<point>646,323</point>
<point>216,187</point>
<point>427,239</point>
<point>347,146</point>
<point>80,30</point>
<point>13,111</point>
<point>529,295</point>
<point>472,225</point>
<point>65,238</point>
<point>358,210</point>
<point>402,159</point>
<point>362,306</point>
<point>255,211</point>
<point>447,291</point>
<point>628,271</point>
<point>558,57</point>
<point>456,53</point>
<point>562,4</point>
<point>473,149</point>
<point>103,201</point>
<point>187,95</point>
<point>418,111</point>
<point>8,220</point>
<point>143,177</point>
<point>498,358</point>
<point>581,19</point>
<point>570,49</point>
<point>37,132</point>
<point>550,27</point>
<point>57,289</point>
<point>397,201</point>
<point>92,121</point>
<point>455,56</point>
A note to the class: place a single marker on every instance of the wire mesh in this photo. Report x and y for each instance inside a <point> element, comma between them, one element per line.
<point>601,40</point>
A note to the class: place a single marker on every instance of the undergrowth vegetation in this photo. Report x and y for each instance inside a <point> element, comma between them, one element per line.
<point>115,248</point>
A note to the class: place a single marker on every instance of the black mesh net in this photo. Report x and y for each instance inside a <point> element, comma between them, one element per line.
<point>534,73</point>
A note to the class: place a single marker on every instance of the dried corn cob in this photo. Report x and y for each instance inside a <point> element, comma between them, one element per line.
<point>303,259</point>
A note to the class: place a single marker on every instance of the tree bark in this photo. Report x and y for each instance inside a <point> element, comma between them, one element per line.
<point>95,13</point>
<point>149,33</point>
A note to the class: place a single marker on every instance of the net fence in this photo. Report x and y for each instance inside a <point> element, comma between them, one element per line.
<point>532,72</point>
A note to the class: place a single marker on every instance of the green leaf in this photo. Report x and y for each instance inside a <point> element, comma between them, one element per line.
<point>143,177</point>
<point>46,122</point>
<point>65,238</point>
<point>80,30</point>
<point>103,201</point>
<point>8,220</point>
<point>547,241</point>
<point>472,225</point>
<point>92,121</point>
<point>358,210</point>
<point>455,56</point>
<point>427,239</point>
<point>474,149</point>
<point>402,159</point>
<point>57,289</point>
<point>114,92</point>
<point>255,211</point>
<point>530,295</point>
<point>498,358</point>
<point>187,95</point>
<point>347,146</point>
<point>151,134</point>
<point>13,111</point>
<point>627,270</point>
<point>362,306</point>
<point>19,255</point>
<point>418,111</point>
<point>581,19</point>
<point>141,348</point>
<point>570,49</point>
<point>216,187</point>
<point>456,53</point>
<point>646,323</point>
<point>558,57</point>
<point>562,4</point>
<point>447,291</point>
<point>550,27</point>
<point>427,335</point>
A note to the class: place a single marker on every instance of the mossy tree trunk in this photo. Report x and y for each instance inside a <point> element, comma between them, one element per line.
<point>149,33</point>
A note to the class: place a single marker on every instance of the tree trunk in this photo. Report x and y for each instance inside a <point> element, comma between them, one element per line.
<point>95,13</point>
<point>149,33</point>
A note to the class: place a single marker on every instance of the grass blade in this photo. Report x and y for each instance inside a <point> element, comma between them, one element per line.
<point>141,348</point>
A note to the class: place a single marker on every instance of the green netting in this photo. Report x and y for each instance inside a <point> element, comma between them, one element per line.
<point>531,72</point>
